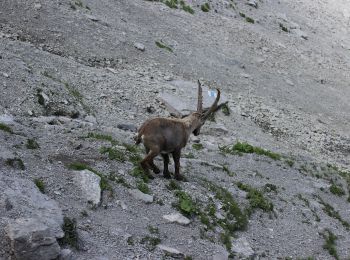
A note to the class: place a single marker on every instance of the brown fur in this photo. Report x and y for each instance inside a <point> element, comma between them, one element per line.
<point>168,136</point>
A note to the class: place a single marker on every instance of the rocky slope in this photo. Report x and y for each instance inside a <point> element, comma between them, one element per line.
<point>267,178</point>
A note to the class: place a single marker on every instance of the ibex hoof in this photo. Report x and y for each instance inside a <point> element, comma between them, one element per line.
<point>167,175</point>
<point>156,170</point>
<point>179,177</point>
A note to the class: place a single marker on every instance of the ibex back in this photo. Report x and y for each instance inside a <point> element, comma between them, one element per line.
<point>169,135</point>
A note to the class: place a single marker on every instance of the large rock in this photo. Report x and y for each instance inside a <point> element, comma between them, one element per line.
<point>184,100</point>
<point>21,198</point>
<point>89,184</point>
<point>30,239</point>
<point>173,252</point>
<point>242,248</point>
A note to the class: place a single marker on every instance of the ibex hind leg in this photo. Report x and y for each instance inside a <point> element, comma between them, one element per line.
<point>154,168</point>
<point>147,162</point>
<point>176,157</point>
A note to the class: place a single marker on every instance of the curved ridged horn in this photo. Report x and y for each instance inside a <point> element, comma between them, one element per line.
<point>213,106</point>
<point>200,98</point>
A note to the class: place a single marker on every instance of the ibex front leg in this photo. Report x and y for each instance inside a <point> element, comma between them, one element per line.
<point>166,163</point>
<point>176,156</point>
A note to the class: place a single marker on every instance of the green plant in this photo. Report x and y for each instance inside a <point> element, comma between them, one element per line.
<point>151,242</point>
<point>205,7</point>
<point>185,204</point>
<point>69,228</point>
<point>143,187</point>
<point>227,170</point>
<point>284,28</point>
<point>226,240</point>
<point>197,146</point>
<point>5,128</point>
<point>255,197</point>
<point>163,46</point>
<point>40,184</point>
<point>244,147</point>
<point>249,19</point>
<point>334,214</point>
<point>337,190</point>
<point>268,187</point>
<point>153,230</point>
<point>114,153</point>
<point>188,9</point>
<point>15,163</point>
<point>329,245</point>
<point>171,3</point>
<point>290,162</point>
<point>32,144</point>
<point>138,172</point>
<point>225,109</point>
<point>173,185</point>
<point>103,137</point>
<point>242,14</point>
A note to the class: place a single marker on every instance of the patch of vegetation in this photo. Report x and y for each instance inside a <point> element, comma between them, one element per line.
<point>330,244</point>
<point>138,172</point>
<point>103,137</point>
<point>283,28</point>
<point>186,8</point>
<point>5,128</point>
<point>119,179</point>
<point>151,242</point>
<point>256,198</point>
<point>153,230</point>
<point>173,185</point>
<point>197,146</point>
<point>78,166</point>
<point>32,144</point>
<point>40,184</point>
<point>244,147</point>
<point>337,190</point>
<point>84,213</point>
<point>235,219</point>
<point>69,228</point>
<point>242,14</point>
<point>225,239</point>
<point>161,45</point>
<point>268,187</point>
<point>15,163</point>
<point>225,109</point>
<point>130,241</point>
<point>114,153</point>
<point>249,19</point>
<point>143,187</point>
<point>185,203</point>
<point>227,170</point>
<point>188,155</point>
<point>330,211</point>
<point>290,162</point>
<point>205,7</point>
<point>171,3</point>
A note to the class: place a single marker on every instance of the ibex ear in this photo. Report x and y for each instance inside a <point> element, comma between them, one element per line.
<point>200,99</point>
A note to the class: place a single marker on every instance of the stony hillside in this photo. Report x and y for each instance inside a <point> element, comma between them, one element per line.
<point>267,178</point>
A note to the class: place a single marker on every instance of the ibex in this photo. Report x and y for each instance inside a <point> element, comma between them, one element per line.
<point>169,135</point>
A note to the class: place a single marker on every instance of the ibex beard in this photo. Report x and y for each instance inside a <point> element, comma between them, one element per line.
<point>169,135</point>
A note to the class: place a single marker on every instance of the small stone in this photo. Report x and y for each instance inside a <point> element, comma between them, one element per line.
<point>139,46</point>
<point>242,248</point>
<point>289,82</point>
<point>168,78</point>
<point>127,127</point>
<point>170,251</point>
<point>177,217</point>
<point>245,75</point>
<point>137,194</point>
<point>56,192</point>
<point>91,119</point>
<point>253,3</point>
<point>37,6</point>
<point>5,75</point>
<point>218,215</point>
<point>92,18</point>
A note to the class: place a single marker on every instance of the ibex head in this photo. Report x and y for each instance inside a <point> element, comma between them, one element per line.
<point>203,115</point>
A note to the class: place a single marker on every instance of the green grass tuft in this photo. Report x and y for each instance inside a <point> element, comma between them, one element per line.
<point>205,7</point>
<point>15,163</point>
<point>197,146</point>
<point>32,144</point>
<point>185,204</point>
<point>40,184</point>
<point>5,128</point>
<point>249,19</point>
<point>163,46</point>
<point>337,190</point>
<point>256,198</point>
<point>114,153</point>
<point>329,245</point>
<point>69,228</point>
<point>143,187</point>
<point>244,147</point>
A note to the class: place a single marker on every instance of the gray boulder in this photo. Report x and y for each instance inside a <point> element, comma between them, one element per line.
<point>30,239</point>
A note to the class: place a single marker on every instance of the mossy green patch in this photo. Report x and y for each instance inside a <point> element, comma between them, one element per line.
<point>32,144</point>
<point>162,45</point>
<point>5,128</point>
<point>205,7</point>
<point>330,244</point>
<point>69,228</point>
<point>40,184</point>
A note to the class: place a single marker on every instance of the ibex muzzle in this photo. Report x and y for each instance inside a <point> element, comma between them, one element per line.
<point>169,135</point>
